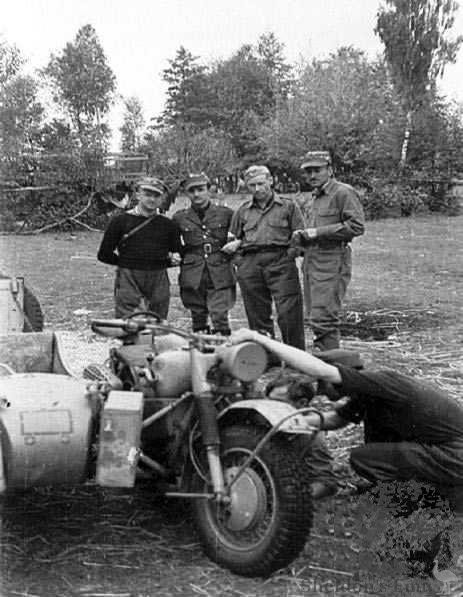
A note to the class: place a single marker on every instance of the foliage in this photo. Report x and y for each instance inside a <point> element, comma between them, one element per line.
<point>327,111</point>
<point>133,125</point>
<point>176,151</point>
<point>10,62</point>
<point>20,115</point>
<point>398,198</point>
<point>234,95</point>
<point>415,34</point>
<point>83,81</point>
<point>187,91</point>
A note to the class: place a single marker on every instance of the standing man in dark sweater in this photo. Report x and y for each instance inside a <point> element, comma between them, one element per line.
<point>139,243</point>
<point>207,281</point>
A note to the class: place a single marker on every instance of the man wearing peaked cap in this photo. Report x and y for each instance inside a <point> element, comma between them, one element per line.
<point>335,218</point>
<point>139,243</point>
<point>266,269</point>
<point>206,280</point>
<point>413,430</point>
<point>152,184</point>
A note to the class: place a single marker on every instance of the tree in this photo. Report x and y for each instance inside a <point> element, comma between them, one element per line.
<point>415,34</point>
<point>133,125</point>
<point>271,54</point>
<point>245,97</point>
<point>10,62</point>
<point>344,104</point>
<point>178,150</point>
<point>187,90</point>
<point>83,81</point>
<point>20,115</point>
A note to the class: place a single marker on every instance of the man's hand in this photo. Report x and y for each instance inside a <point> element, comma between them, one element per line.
<point>231,247</point>
<point>175,259</point>
<point>304,236</point>
<point>243,335</point>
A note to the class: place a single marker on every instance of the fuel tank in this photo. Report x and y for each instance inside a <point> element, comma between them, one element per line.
<point>45,430</point>
<point>173,373</point>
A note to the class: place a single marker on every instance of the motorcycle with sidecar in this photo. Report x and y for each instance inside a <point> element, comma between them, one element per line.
<point>179,409</point>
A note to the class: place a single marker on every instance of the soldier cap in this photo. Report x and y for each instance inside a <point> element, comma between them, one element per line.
<point>196,180</point>
<point>316,158</point>
<point>151,183</point>
<point>254,171</point>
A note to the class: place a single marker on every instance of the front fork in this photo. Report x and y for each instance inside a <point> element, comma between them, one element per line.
<point>204,398</point>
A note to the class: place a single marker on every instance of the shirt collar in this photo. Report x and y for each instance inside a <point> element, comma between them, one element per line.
<point>274,199</point>
<point>325,189</point>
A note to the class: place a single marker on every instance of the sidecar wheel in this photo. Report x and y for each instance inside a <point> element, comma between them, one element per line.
<point>269,517</point>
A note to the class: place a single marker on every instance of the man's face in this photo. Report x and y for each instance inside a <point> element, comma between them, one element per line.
<point>150,200</point>
<point>199,195</point>
<point>317,176</point>
<point>260,186</point>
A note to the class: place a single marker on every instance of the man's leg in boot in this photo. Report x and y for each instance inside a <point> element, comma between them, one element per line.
<point>220,302</point>
<point>195,299</point>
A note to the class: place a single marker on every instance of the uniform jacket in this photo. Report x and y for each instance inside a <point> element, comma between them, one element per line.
<point>272,226</point>
<point>202,241</point>
<point>336,213</point>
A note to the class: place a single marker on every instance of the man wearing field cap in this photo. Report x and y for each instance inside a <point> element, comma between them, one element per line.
<point>139,243</point>
<point>335,219</point>
<point>266,268</point>
<point>206,281</point>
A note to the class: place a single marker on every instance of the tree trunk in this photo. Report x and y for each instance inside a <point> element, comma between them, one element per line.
<point>406,139</point>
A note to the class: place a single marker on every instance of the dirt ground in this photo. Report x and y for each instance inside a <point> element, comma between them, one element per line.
<point>404,311</point>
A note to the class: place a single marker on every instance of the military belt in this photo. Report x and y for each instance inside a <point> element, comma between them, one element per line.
<point>263,249</point>
<point>205,249</point>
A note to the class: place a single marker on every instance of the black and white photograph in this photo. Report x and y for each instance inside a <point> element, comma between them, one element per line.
<point>231,298</point>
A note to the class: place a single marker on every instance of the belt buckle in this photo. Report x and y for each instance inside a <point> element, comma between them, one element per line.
<point>207,248</point>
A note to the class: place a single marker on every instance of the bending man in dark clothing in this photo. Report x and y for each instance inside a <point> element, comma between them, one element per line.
<point>139,242</point>
<point>413,430</point>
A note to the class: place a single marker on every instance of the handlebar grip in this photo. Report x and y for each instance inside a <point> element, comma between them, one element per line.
<point>108,323</point>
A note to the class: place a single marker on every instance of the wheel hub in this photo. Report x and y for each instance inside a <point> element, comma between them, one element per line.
<point>248,501</point>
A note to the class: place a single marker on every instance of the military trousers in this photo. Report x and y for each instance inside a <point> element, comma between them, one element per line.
<point>207,301</point>
<point>440,465</point>
<point>267,276</point>
<point>141,290</point>
<point>326,273</point>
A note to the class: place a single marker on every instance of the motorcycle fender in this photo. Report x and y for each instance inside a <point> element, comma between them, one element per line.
<point>274,411</point>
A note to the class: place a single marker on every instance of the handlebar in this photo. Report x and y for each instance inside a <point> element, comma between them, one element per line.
<point>133,326</point>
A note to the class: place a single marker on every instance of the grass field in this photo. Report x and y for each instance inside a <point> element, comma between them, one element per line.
<point>114,544</point>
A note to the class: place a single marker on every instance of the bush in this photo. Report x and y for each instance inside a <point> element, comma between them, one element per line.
<point>386,199</point>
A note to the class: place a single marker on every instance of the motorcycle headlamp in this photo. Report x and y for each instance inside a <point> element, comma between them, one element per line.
<point>246,361</point>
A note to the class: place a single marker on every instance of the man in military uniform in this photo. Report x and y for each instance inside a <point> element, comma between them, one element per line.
<point>140,243</point>
<point>266,268</point>
<point>336,217</point>
<point>207,282</point>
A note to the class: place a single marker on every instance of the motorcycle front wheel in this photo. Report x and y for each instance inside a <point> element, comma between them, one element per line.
<point>265,525</point>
